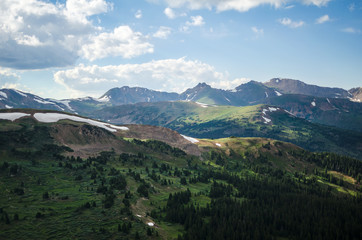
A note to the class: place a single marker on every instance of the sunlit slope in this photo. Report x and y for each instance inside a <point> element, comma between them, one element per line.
<point>207,121</point>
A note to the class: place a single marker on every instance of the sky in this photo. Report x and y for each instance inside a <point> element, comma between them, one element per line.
<point>75,48</point>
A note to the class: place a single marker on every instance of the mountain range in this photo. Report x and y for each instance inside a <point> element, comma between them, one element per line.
<point>142,164</point>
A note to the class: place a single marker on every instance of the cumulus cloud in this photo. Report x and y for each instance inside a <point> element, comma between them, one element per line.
<point>196,21</point>
<point>323,19</point>
<point>8,79</point>
<point>36,34</point>
<point>319,3</point>
<point>169,13</point>
<point>223,5</point>
<point>123,41</point>
<point>170,74</point>
<point>162,32</point>
<point>289,23</point>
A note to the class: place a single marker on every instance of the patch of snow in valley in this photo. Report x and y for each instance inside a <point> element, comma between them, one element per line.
<point>151,224</point>
<point>266,94</point>
<point>266,120</point>
<point>190,139</point>
<point>227,99</point>
<point>20,93</point>
<point>278,93</point>
<point>8,107</point>
<point>13,116</point>
<point>313,103</point>
<point>328,101</point>
<point>55,117</point>
<point>4,95</point>
<point>218,144</point>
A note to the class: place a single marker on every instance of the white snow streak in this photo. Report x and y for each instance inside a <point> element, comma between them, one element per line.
<point>193,140</point>
<point>13,116</point>
<point>202,104</point>
<point>278,93</point>
<point>313,104</point>
<point>266,120</point>
<point>3,94</point>
<point>20,93</point>
<point>218,144</point>
<point>8,107</point>
<point>55,117</point>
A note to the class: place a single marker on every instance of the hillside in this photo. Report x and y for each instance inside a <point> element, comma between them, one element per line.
<point>341,113</point>
<point>126,187</point>
<point>203,121</point>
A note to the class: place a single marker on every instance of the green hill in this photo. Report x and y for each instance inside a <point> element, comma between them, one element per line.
<point>79,179</point>
<point>205,121</point>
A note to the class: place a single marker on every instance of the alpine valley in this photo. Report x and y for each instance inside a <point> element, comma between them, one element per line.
<point>274,160</point>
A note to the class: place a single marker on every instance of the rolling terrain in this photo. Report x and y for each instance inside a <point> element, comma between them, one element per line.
<point>103,181</point>
<point>205,121</point>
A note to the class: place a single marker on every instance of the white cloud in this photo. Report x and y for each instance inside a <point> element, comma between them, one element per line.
<point>163,32</point>
<point>196,21</point>
<point>36,34</point>
<point>223,5</point>
<point>8,79</point>
<point>319,3</point>
<point>169,13</point>
<point>170,74</point>
<point>323,19</point>
<point>231,84</point>
<point>257,31</point>
<point>351,30</point>
<point>138,14</point>
<point>292,24</point>
<point>123,41</point>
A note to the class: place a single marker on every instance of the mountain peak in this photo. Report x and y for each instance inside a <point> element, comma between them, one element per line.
<point>202,85</point>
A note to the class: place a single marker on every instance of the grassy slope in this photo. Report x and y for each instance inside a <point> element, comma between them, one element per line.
<point>224,121</point>
<point>63,215</point>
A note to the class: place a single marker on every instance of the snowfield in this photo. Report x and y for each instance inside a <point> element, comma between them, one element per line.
<point>20,93</point>
<point>266,120</point>
<point>278,93</point>
<point>4,95</point>
<point>190,139</point>
<point>55,117</point>
<point>13,116</point>
<point>218,144</point>
<point>313,104</point>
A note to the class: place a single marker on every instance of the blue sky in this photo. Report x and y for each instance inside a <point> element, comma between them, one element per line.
<point>76,48</point>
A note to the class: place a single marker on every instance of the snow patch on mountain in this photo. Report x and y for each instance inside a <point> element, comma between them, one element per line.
<point>13,115</point>
<point>55,117</point>
<point>266,120</point>
<point>190,139</point>
<point>278,93</point>
<point>8,107</point>
<point>20,93</point>
<point>4,95</point>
